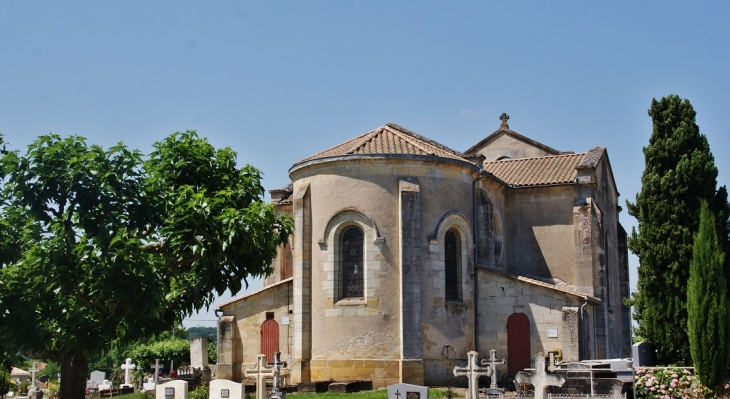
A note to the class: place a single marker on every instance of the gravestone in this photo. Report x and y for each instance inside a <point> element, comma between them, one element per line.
<point>472,371</point>
<point>407,391</point>
<point>33,370</point>
<point>539,377</point>
<point>644,354</point>
<point>175,389</point>
<point>494,391</point>
<point>97,378</point>
<point>105,385</point>
<point>199,356</point>
<point>260,372</point>
<point>225,389</point>
<point>157,367</point>
<point>149,385</point>
<point>127,367</point>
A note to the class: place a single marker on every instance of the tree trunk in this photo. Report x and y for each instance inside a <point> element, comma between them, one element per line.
<point>73,376</point>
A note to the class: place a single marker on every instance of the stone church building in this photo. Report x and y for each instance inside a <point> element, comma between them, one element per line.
<point>407,254</point>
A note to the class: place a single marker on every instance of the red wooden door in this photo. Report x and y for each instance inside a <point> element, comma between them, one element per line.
<point>518,343</point>
<point>269,339</point>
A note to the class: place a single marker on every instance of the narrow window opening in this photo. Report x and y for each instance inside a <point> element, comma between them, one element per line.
<point>352,263</point>
<point>452,269</point>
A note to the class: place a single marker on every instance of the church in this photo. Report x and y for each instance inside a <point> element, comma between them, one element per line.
<point>407,254</point>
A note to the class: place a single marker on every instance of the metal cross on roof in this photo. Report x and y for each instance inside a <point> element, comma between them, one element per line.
<point>472,371</point>
<point>504,118</point>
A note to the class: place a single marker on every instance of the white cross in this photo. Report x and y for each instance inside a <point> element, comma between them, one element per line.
<point>32,372</point>
<point>127,367</point>
<point>260,372</point>
<point>540,378</point>
<point>472,371</point>
<point>493,362</point>
<point>157,368</point>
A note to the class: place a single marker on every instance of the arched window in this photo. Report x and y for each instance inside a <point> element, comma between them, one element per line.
<point>352,263</point>
<point>452,253</point>
<point>497,238</point>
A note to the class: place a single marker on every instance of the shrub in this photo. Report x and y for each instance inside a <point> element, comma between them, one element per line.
<point>674,383</point>
<point>200,392</point>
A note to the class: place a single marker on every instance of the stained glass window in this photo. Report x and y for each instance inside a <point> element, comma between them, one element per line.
<point>352,264</point>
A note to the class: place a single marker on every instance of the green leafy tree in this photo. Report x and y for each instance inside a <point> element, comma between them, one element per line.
<point>173,349</point>
<point>707,304</point>
<point>107,245</point>
<point>679,173</point>
<point>5,382</point>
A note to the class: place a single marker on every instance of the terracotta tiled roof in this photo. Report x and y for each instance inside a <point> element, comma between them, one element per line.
<point>388,139</point>
<point>558,169</point>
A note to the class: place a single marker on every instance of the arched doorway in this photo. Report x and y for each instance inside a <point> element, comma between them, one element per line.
<point>518,343</point>
<point>269,339</point>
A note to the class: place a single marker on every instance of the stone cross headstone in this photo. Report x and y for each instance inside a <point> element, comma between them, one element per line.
<point>156,366</point>
<point>472,371</point>
<point>407,391</point>
<point>149,385</point>
<point>96,378</point>
<point>33,370</point>
<point>540,378</point>
<point>127,367</point>
<point>260,372</point>
<point>493,362</point>
<point>225,389</point>
<point>175,389</point>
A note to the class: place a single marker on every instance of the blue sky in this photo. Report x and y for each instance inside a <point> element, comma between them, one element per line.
<point>278,81</point>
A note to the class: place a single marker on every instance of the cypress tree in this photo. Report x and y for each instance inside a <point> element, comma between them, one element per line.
<point>679,174</point>
<point>707,303</point>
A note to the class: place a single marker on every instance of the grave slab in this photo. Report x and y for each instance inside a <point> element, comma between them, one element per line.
<point>313,387</point>
<point>407,391</point>
<point>176,389</point>
<point>226,389</point>
<point>350,386</point>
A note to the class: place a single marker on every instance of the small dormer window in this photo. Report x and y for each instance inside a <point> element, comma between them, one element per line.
<point>504,158</point>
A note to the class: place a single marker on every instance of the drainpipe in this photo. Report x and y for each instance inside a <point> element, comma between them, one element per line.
<point>474,256</point>
<point>581,331</point>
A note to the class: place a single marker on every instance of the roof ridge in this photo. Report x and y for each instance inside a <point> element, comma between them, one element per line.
<point>518,136</point>
<point>425,139</point>
<point>542,157</point>
<point>357,142</point>
<point>411,140</point>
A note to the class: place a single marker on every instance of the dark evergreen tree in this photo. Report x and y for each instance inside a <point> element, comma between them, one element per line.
<point>679,174</point>
<point>707,303</point>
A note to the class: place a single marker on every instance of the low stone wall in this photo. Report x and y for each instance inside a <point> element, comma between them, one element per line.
<point>381,372</point>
